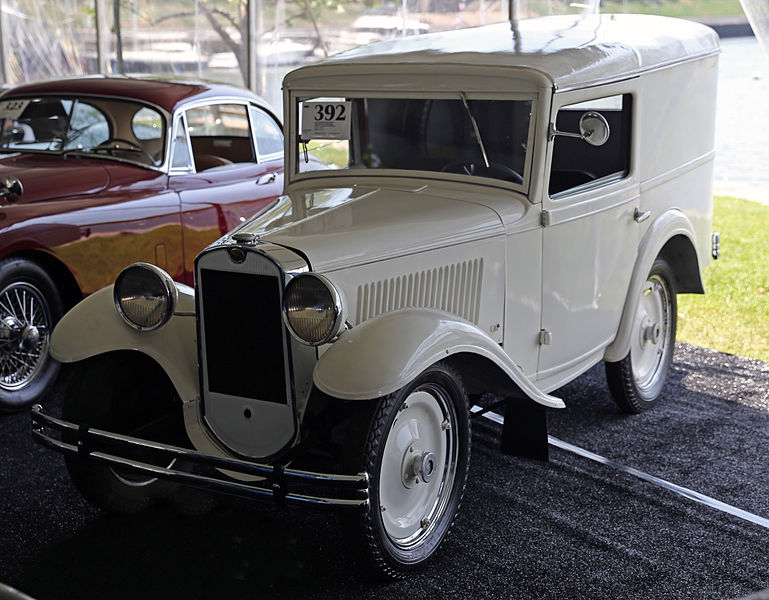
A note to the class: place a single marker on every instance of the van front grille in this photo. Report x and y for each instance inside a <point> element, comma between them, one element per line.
<point>243,335</point>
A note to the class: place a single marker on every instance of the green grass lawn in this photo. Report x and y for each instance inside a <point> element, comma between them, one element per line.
<point>676,8</point>
<point>733,315</point>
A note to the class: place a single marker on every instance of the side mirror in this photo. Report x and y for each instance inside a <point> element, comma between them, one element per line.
<point>593,128</point>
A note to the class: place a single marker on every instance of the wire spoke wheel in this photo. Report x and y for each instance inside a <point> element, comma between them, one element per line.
<point>30,307</point>
<point>25,327</point>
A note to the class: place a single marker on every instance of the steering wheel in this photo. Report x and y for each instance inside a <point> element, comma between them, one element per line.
<point>494,170</point>
<point>111,145</point>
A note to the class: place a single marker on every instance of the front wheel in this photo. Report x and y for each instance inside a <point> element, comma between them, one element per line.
<point>417,455</point>
<point>637,380</point>
<point>30,306</point>
<point>126,393</point>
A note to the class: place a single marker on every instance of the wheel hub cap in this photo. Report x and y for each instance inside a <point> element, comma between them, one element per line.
<point>11,330</point>
<point>651,334</point>
<point>417,470</point>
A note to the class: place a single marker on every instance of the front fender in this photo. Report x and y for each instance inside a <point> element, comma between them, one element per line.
<point>94,327</point>
<point>382,355</point>
<point>665,227</point>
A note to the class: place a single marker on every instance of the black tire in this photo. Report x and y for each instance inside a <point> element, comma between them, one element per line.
<point>127,393</point>
<point>30,306</point>
<point>636,382</point>
<point>420,518</point>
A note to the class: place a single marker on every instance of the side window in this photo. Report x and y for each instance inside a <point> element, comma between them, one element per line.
<point>576,163</point>
<point>88,127</point>
<point>269,137</point>
<point>180,158</point>
<point>147,124</point>
<point>220,135</point>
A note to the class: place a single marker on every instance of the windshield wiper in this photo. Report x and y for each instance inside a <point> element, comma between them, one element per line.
<point>475,128</point>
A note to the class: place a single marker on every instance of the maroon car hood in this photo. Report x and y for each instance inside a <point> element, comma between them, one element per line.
<point>48,177</point>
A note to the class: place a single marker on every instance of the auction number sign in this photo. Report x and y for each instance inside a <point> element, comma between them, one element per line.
<point>12,109</point>
<point>326,120</point>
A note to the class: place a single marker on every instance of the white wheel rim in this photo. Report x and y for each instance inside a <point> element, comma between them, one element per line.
<point>652,327</point>
<point>426,426</point>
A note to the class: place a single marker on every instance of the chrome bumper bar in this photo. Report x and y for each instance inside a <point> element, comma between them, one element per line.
<point>276,483</point>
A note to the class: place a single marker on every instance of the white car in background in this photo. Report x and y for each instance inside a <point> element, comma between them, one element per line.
<point>511,205</point>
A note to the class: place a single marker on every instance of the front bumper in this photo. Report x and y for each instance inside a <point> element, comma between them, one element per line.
<point>275,483</point>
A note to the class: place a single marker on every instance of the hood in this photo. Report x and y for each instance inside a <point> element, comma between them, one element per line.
<point>45,177</point>
<point>341,227</point>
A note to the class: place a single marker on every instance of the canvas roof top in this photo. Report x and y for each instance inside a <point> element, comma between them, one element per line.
<point>569,51</point>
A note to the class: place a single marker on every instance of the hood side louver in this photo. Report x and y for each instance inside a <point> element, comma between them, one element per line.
<point>454,288</point>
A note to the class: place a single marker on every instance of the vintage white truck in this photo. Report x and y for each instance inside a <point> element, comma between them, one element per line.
<point>479,213</point>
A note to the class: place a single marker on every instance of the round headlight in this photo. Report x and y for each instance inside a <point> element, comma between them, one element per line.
<point>145,296</point>
<point>312,308</point>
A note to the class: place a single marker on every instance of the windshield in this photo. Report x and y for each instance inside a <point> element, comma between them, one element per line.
<point>461,135</point>
<point>118,129</point>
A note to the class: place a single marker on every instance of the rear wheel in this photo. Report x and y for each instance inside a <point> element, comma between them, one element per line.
<point>637,380</point>
<point>127,393</point>
<point>417,456</point>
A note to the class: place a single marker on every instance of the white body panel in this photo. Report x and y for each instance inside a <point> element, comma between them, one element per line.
<point>384,354</point>
<point>94,327</point>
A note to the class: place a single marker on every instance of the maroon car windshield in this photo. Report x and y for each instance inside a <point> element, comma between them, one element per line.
<point>119,129</point>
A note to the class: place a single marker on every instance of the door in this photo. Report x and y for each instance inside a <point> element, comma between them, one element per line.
<point>590,237</point>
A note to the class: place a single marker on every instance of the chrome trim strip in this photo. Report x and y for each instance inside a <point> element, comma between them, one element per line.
<point>273,484</point>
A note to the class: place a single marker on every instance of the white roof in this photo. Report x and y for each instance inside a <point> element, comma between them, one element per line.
<point>569,51</point>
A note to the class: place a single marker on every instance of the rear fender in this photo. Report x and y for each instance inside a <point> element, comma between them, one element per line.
<point>94,327</point>
<point>667,226</point>
<point>382,355</point>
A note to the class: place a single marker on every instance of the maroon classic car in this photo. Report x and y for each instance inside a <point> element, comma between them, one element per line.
<point>100,172</point>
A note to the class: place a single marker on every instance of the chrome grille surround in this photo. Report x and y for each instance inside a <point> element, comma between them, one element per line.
<point>254,377</point>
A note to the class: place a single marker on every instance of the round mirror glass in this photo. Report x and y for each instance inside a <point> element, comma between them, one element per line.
<point>594,128</point>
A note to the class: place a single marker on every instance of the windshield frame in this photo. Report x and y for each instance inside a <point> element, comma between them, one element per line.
<point>93,100</point>
<point>294,156</point>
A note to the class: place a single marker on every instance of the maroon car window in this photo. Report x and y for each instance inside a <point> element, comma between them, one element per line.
<point>220,135</point>
<point>85,125</point>
<point>147,124</point>
<point>88,127</point>
<point>269,137</point>
<point>181,152</point>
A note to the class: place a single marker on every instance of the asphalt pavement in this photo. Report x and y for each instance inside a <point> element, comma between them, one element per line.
<point>569,528</point>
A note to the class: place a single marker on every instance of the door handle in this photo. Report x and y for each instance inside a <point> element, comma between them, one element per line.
<point>640,217</point>
<point>265,179</point>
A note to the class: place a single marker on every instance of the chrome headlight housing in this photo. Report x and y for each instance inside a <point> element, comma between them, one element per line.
<point>145,296</point>
<point>312,309</point>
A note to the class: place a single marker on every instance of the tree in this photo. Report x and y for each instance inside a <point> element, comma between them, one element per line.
<point>229,19</point>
